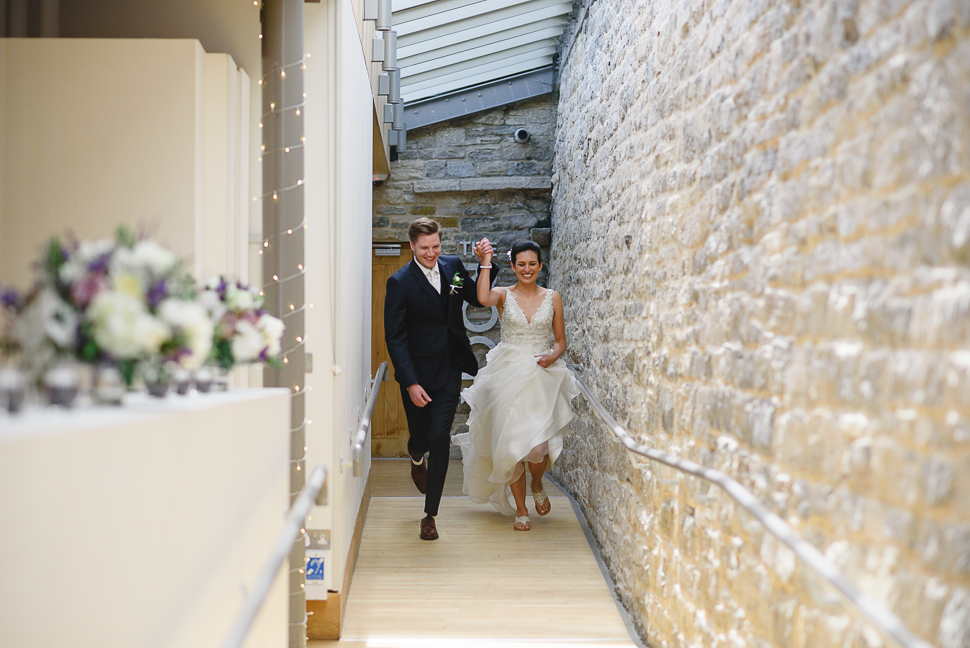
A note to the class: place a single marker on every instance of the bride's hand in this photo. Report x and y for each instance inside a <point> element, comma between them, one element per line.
<point>545,360</point>
<point>484,252</point>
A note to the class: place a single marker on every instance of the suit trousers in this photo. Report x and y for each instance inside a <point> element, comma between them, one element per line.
<point>430,430</point>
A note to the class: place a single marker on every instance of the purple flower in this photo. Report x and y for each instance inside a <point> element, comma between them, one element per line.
<point>9,298</point>
<point>157,294</point>
<point>100,264</point>
<point>222,287</point>
<point>264,354</point>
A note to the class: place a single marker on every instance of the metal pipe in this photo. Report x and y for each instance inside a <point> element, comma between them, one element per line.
<point>880,616</point>
<point>390,51</point>
<point>394,86</point>
<point>397,123</point>
<point>383,15</point>
<point>364,428</point>
<point>281,549</point>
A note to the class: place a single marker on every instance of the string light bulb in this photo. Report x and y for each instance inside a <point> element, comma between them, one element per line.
<point>299,182</point>
<point>276,277</point>
<point>260,37</point>
<point>260,124</point>
<point>260,82</point>
<point>275,196</point>
<point>289,231</point>
<point>286,150</point>
<point>297,111</point>
<point>299,266</point>
<point>265,243</point>
<point>272,105</point>
<point>283,74</point>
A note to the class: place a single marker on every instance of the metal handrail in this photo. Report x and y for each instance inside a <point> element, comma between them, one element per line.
<point>874,611</point>
<point>364,427</point>
<point>313,492</point>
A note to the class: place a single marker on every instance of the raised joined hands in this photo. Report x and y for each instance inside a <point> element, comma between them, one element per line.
<point>484,252</point>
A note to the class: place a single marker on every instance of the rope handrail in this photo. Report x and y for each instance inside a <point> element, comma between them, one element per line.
<point>878,614</point>
<point>365,420</point>
<point>311,493</point>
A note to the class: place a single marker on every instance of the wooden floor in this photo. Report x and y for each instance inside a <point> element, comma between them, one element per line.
<point>481,584</point>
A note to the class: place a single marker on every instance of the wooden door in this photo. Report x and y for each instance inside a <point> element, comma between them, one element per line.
<point>389,428</point>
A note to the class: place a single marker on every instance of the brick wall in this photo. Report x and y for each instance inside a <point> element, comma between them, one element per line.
<point>765,210</point>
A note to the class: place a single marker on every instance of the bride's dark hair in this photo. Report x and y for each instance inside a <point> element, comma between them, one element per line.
<point>525,246</point>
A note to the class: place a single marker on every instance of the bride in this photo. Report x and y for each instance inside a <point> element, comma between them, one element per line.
<point>520,401</point>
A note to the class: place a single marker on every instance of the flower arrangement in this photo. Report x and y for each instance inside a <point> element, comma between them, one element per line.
<point>244,332</point>
<point>129,302</point>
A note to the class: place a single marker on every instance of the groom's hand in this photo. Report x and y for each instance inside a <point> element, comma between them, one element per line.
<point>418,396</point>
<point>484,251</point>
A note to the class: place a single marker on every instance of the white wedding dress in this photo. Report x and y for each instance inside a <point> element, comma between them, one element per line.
<point>519,411</point>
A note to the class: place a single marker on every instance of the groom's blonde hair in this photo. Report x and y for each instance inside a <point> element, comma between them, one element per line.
<point>423,226</point>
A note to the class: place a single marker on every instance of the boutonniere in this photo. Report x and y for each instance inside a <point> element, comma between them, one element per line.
<point>456,283</point>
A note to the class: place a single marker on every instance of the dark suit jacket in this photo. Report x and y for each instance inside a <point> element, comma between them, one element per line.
<point>418,323</point>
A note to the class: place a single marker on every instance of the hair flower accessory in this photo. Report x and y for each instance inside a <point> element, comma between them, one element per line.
<point>456,283</point>
<point>509,254</point>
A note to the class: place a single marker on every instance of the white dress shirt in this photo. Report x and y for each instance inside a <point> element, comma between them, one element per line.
<point>434,277</point>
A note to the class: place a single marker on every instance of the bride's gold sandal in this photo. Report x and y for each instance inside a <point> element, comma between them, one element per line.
<point>542,503</point>
<point>522,523</point>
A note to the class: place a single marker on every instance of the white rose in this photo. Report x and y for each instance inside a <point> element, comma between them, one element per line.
<point>58,319</point>
<point>147,259</point>
<point>72,271</point>
<point>154,257</point>
<point>272,331</point>
<point>47,318</point>
<point>192,319</point>
<point>239,299</point>
<point>248,342</point>
<point>211,301</point>
<point>89,251</point>
<point>123,327</point>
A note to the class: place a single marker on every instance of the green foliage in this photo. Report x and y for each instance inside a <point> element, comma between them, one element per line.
<point>125,236</point>
<point>222,353</point>
<point>53,257</point>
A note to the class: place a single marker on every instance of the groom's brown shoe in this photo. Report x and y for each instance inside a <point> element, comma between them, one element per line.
<point>428,530</point>
<point>419,475</point>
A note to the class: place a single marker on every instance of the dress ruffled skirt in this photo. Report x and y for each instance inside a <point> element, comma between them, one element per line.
<point>519,412</point>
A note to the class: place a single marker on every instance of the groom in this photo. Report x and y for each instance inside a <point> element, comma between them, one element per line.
<point>429,349</point>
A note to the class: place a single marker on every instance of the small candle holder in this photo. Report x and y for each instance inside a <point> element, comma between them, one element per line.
<point>204,379</point>
<point>109,385</point>
<point>13,389</point>
<point>62,383</point>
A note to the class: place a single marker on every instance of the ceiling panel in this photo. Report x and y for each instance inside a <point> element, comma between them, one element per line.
<point>448,45</point>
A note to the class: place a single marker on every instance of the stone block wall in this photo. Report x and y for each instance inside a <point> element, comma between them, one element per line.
<point>764,207</point>
<point>471,176</point>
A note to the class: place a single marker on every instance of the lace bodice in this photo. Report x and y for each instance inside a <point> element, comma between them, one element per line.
<point>517,331</point>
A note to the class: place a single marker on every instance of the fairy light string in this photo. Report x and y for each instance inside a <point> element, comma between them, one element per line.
<point>282,249</point>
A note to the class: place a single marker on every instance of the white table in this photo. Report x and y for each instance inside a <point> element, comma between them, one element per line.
<point>141,525</point>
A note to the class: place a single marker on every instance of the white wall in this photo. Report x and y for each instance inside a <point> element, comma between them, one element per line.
<point>150,133</point>
<point>338,207</point>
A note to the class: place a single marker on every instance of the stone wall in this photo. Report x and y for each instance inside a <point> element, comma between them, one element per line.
<point>471,176</point>
<point>765,210</point>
